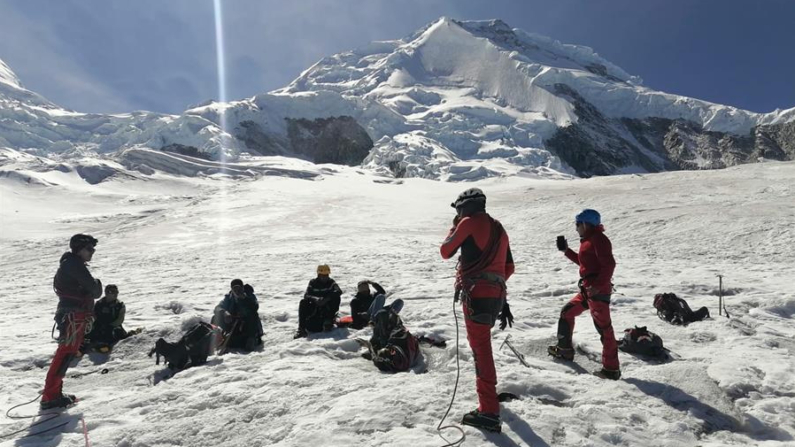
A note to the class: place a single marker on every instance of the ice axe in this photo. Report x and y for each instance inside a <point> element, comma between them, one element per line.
<point>518,355</point>
<point>225,343</point>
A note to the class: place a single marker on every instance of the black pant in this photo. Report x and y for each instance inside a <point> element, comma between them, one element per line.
<point>315,313</point>
<point>106,334</point>
<point>240,329</point>
<point>698,315</point>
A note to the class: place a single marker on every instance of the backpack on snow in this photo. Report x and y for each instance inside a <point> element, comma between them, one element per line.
<point>191,350</point>
<point>395,348</point>
<point>638,340</point>
<point>675,310</point>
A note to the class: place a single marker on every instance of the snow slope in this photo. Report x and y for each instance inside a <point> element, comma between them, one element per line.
<point>172,244</point>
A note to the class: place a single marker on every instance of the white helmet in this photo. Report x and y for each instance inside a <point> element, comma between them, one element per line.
<point>470,195</point>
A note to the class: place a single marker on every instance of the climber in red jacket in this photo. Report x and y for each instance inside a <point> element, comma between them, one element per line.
<point>596,272</point>
<point>483,267</point>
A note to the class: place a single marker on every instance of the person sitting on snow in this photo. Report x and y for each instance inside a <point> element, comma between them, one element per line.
<point>109,315</point>
<point>318,309</point>
<point>361,303</point>
<point>237,316</point>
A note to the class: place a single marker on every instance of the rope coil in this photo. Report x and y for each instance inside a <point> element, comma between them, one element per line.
<point>439,428</point>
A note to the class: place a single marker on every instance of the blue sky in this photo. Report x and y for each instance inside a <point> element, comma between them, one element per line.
<point>118,56</point>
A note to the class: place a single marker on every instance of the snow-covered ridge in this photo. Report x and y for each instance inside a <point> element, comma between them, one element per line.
<point>453,101</point>
<point>7,76</point>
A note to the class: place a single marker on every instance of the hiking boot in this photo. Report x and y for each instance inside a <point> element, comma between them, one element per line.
<point>328,325</point>
<point>485,421</point>
<point>561,353</point>
<point>300,333</point>
<point>612,374</point>
<point>64,401</point>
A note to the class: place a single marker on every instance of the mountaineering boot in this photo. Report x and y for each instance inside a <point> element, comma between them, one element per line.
<point>300,333</point>
<point>328,325</point>
<point>561,353</point>
<point>485,421</point>
<point>64,401</point>
<point>608,374</point>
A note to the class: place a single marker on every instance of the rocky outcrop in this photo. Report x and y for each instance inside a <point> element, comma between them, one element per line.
<point>259,141</point>
<point>338,140</point>
<point>598,145</point>
<point>182,149</point>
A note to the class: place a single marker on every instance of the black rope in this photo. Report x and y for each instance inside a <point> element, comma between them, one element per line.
<point>439,428</point>
<point>49,417</point>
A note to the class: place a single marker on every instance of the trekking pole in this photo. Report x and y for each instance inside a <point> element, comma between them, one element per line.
<point>720,294</point>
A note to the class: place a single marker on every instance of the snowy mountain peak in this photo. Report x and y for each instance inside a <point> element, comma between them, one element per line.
<point>7,76</point>
<point>455,100</point>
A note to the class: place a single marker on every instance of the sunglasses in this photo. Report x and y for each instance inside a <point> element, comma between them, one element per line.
<point>91,249</point>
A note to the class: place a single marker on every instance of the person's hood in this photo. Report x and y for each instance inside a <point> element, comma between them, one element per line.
<point>68,255</point>
<point>594,230</point>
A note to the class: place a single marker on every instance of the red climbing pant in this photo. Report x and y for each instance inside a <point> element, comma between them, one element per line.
<point>600,312</point>
<point>73,330</point>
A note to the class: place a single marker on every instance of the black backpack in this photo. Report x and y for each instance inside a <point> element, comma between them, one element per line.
<point>672,309</point>
<point>675,310</point>
<point>191,350</point>
<point>638,340</point>
<point>396,349</point>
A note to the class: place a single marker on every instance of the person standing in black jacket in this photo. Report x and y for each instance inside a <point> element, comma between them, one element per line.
<point>318,309</point>
<point>76,290</point>
<point>360,304</point>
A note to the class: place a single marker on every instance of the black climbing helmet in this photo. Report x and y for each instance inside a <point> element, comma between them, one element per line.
<point>111,288</point>
<point>80,241</point>
<point>469,196</point>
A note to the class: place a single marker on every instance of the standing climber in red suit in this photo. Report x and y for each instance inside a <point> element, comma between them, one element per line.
<point>483,267</point>
<point>596,262</point>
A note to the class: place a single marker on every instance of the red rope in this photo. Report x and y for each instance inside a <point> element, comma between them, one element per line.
<point>85,432</point>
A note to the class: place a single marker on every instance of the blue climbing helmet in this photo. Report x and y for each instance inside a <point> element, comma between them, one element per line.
<point>589,216</point>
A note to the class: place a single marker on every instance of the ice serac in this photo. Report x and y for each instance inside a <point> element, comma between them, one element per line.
<point>454,101</point>
<point>483,99</point>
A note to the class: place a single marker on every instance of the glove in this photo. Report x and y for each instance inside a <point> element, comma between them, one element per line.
<point>562,244</point>
<point>506,317</point>
<point>227,317</point>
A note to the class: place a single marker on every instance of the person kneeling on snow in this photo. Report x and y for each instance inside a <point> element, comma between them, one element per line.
<point>392,347</point>
<point>109,315</point>
<point>318,309</point>
<point>360,304</point>
<point>237,316</point>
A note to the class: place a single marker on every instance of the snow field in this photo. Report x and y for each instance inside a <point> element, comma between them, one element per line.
<point>173,244</point>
